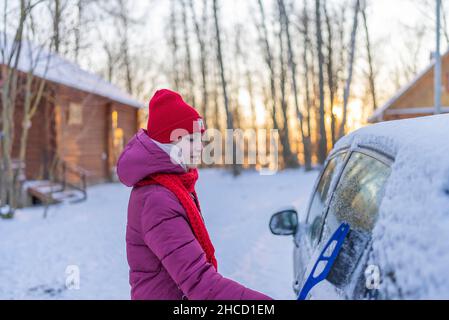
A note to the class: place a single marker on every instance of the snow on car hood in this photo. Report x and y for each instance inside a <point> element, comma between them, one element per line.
<point>411,238</point>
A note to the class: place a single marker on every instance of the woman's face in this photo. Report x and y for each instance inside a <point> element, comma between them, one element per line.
<point>191,148</point>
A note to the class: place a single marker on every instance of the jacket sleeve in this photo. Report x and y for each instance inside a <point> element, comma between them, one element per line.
<point>169,235</point>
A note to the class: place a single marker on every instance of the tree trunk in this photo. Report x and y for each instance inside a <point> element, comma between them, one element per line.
<point>57,12</point>
<point>291,160</point>
<point>189,75</point>
<point>369,54</point>
<point>341,132</point>
<point>124,19</point>
<point>268,57</point>
<point>9,93</point>
<point>330,71</point>
<point>80,20</point>
<point>322,144</point>
<point>200,36</point>
<point>292,64</point>
<point>173,42</point>
<point>308,102</point>
<point>229,119</point>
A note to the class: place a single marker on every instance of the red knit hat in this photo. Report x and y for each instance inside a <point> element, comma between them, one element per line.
<point>169,112</point>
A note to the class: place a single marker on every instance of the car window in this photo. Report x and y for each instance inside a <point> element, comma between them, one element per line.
<point>359,192</point>
<point>318,205</point>
<point>356,200</point>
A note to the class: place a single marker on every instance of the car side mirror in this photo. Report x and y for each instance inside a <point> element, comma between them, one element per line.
<point>284,223</point>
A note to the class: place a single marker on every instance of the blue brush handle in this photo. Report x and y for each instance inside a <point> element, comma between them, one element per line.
<point>339,236</point>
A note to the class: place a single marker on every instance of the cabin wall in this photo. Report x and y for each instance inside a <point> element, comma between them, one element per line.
<point>87,144</point>
<point>80,144</point>
<point>40,144</point>
<point>422,93</point>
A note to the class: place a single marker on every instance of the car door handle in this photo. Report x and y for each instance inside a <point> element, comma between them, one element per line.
<point>296,286</point>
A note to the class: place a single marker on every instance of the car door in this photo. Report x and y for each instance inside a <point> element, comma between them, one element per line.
<point>355,201</point>
<point>306,239</point>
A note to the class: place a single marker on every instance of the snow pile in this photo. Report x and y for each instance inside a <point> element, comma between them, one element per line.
<point>411,238</point>
<point>37,255</point>
<point>55,68</point>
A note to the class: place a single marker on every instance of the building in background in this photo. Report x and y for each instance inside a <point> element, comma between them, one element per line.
<point>416,99</point>
<point>81,125</point>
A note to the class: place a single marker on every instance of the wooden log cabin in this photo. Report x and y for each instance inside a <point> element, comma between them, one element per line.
<point>80,128</point>
<point>416,99</point>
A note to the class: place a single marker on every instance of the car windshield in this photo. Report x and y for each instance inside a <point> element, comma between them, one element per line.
<point>360,191</point>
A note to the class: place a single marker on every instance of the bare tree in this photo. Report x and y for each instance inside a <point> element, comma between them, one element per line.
<point>229,116</point>
<point>124,19</point>
<point>285,20</point>
<point>341,61</point>
<point>11,91</point>
<point>56,12</point>
<point>80,6</point>
<point>331,77</point>
<point>236,75</point>
<point>215,98</point>
<point>33,92</point>
<point>10,60</point>
<point>350,67</point>
<point>200,32</point>
<point>427,12</point>
<point>248,74</point>
<point>269,60</point>
<point>290,160</point>
<point>112,57</point>
<point>189,73</point>
<point>369,54</point>
<point>408,64</point>
<point>322,144</point>
<point>303,28</point>
<point>250,88</point>
<point>123,22</point>
<point>173,43</point>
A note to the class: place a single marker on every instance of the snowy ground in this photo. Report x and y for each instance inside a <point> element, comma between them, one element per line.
<point>35,252</point>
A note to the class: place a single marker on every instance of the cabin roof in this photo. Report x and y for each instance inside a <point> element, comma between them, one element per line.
<point>377,114</point>
<point>55,68</point>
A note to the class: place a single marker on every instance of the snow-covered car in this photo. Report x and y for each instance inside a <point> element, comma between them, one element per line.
<point>377,223</point>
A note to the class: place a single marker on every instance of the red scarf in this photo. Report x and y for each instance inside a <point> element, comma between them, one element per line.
<point>182,185</point>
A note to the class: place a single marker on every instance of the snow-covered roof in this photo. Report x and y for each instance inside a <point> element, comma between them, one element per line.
<point>411,237</point>
<point>55,68</point>
<point>377,114</point>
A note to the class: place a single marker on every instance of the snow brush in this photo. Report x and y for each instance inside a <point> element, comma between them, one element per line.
<point>327,257</point>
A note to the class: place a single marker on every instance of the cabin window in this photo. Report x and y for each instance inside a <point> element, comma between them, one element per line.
<point>114,119</point>
<point>75,113</point>
<point>118,137</point>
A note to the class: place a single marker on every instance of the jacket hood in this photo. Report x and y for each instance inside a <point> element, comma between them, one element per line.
<point>142,157</point>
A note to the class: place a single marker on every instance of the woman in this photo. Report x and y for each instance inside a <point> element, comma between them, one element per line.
<point>169,251</point>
